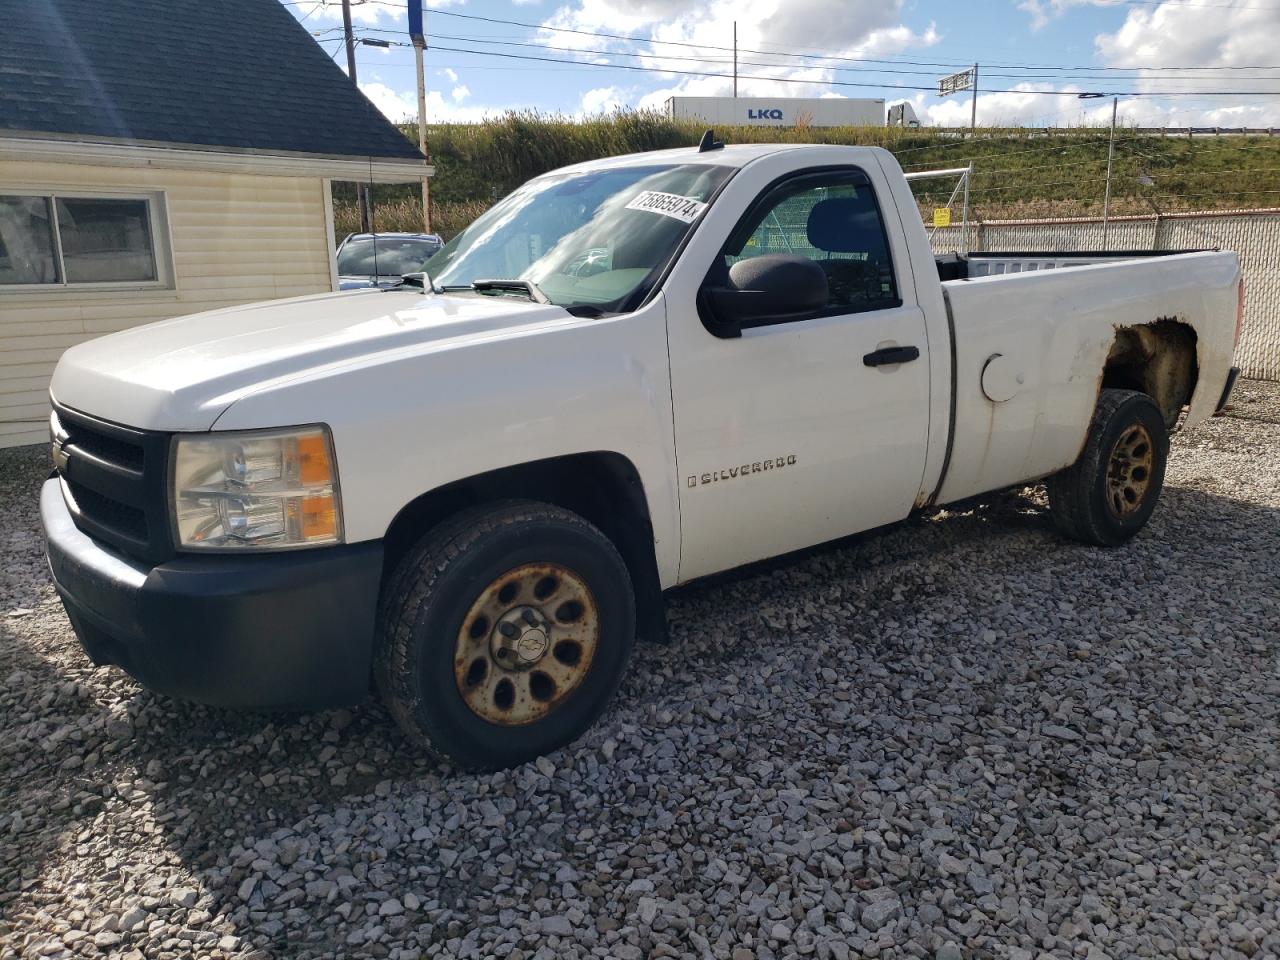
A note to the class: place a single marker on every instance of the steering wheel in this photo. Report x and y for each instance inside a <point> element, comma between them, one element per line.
<point>590,262</point>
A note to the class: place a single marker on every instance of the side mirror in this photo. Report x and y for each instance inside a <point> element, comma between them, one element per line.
<point>774,288</point>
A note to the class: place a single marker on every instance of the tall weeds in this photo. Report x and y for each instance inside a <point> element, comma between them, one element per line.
<point>1017,171</point>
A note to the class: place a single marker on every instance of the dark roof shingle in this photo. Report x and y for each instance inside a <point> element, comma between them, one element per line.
<point>232,74</point>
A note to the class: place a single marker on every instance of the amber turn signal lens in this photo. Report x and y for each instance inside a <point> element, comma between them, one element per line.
<point>319,518</point>
<point>313,457</point>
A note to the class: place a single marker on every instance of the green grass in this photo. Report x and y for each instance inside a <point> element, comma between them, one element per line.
<point>1018,172</point>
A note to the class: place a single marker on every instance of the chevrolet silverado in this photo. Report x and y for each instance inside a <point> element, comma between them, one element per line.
<point>469,491</point>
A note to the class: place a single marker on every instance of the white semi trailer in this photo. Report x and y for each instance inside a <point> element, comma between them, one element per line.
<point>778,111</point>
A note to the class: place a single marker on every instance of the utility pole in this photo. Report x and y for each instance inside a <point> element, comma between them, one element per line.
<point>1111,154</point>
<point>973,115</point>
<point>735,59</point>
<point>417,32</point>
<point>362,193</point>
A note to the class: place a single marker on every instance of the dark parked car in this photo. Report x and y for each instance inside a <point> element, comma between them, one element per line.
<point>369,259</point>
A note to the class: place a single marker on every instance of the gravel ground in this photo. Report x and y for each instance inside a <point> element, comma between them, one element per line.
<point>962,738</point>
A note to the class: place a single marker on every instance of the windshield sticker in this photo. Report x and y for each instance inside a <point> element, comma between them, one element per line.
<point>685,209</point>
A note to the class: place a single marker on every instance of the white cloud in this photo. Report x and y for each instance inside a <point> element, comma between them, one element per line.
<point>450,74</point>
<point>400,106</point>
<point>891,40</point>
<point>1227,35</point>
<point>1022,107</point>
<point>1042,11</point>
<point>459,93</point>
<point>1224,34</point>
<point>329,12</point>
<point>366,14</point>
<point>603,100</point>
<point>700,39</point>
<point>396,107</point>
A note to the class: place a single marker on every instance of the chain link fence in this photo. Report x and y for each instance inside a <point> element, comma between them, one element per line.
<point>1253,234</point>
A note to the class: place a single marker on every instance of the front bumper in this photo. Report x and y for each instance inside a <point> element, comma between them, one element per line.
<point>286,630</point>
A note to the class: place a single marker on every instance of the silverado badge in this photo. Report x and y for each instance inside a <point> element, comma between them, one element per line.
<point>733,473</point>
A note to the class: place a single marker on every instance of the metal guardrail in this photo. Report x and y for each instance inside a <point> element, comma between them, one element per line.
<point>1144,131</point>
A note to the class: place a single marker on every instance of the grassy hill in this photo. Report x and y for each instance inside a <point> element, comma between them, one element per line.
<point>1018,172</point>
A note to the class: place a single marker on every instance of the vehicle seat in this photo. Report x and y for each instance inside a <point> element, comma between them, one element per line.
<point>848,231</point>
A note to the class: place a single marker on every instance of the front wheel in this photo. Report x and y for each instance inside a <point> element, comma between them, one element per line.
<point>504,633</point>
<point>1109,493</point>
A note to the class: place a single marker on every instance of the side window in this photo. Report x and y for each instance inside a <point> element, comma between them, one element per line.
<point>106,240</point>
<point>58,242</point>
<point>27,252</point>
<point>832,219</point>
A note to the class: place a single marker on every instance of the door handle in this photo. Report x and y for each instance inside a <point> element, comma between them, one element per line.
<point>887,355</point>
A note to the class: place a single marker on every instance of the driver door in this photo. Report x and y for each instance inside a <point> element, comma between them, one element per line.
<point>797,432</point>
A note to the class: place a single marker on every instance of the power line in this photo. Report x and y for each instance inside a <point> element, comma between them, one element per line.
<point>840,83</point>
<point>1080,71</point>
<point>800,55</point>
<point>757,63</point>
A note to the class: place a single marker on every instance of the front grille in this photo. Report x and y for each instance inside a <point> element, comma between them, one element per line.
<point>118,516</point>
<point>114,479</point>
<point>109,449</point>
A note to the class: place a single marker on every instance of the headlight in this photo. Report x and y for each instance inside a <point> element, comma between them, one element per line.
<point>268,489</point>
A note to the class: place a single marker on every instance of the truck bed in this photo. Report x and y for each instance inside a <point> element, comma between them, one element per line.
<point>956,266</point>
<point>1031,334</point>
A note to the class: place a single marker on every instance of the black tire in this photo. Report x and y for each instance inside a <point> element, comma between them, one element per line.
<point>433,591</point>
<point>1091,503</point>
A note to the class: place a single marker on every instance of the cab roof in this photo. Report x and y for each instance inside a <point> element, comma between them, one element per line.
<point>730,155</point>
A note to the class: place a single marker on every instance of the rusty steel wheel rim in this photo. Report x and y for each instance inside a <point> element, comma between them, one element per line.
<point>526,644</point>
<point>1129,471</point>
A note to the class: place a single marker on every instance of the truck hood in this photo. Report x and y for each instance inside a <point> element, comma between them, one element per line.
<point>182,374</point>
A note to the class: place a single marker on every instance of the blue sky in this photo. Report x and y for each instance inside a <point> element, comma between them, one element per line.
<point>1130,47</point>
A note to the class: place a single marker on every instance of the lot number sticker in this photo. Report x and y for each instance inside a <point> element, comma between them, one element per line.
<point>685,209</point>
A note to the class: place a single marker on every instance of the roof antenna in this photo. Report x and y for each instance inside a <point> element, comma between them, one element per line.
<point>709,142</point>
<point>373,228</point>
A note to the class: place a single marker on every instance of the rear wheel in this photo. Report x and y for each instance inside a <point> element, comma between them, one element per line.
<point>504,633</point>
<point>1110,492</point>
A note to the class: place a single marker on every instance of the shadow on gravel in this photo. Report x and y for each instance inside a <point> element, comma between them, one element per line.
<point>200,780</point>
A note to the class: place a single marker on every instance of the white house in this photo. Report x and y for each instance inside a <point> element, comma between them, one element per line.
<point>161,157</point>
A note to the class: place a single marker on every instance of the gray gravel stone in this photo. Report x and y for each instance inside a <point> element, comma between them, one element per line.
<point>131,918</point>
<point>184,896</point>
<point>557,926</point>
<point>876,915</point>
<point>963,737</point>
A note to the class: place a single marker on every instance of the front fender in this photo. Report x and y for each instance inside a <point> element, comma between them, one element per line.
<point>413,420</point>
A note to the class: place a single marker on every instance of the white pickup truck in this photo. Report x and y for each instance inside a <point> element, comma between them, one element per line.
<point>471,490</point>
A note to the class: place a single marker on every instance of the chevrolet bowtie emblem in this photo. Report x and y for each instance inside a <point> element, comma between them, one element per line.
<point>59,452</point>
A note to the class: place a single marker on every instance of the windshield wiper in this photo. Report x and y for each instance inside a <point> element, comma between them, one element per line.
<point>527,287</point>
<point>419,279</point>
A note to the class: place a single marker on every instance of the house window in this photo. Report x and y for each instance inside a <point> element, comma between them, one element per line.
<point>53,241</point>
<point>26,241</point>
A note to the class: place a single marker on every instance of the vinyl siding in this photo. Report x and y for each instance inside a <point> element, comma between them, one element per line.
<point>233,238</point>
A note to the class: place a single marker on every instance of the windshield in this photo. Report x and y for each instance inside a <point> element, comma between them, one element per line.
<point>394,256</point>
<point>597,239</point>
